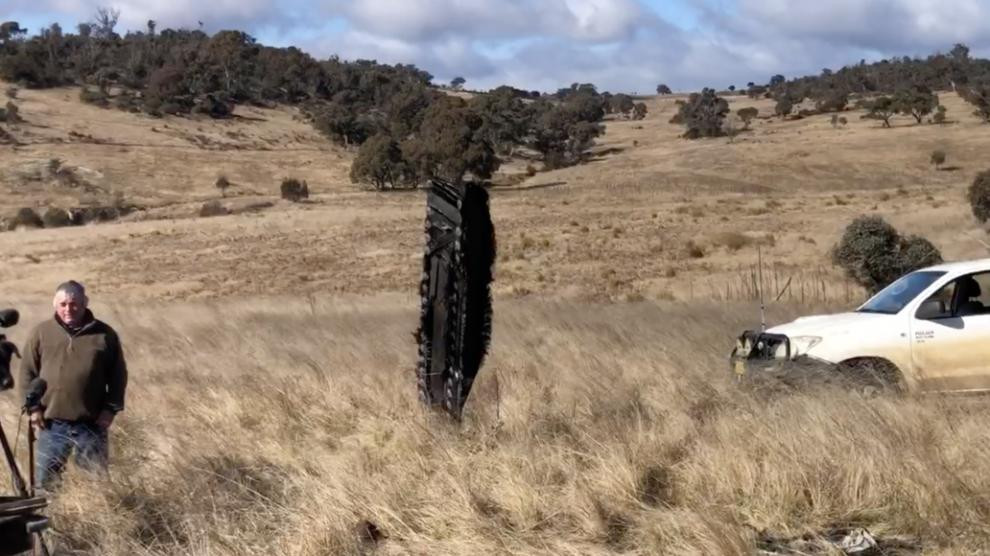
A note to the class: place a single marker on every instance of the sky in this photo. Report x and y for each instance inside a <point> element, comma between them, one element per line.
<point>619,45</point>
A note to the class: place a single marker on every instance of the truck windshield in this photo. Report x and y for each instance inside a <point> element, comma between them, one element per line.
<point>896,296</point>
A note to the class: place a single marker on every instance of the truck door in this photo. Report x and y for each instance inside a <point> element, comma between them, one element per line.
<point>950,336</point>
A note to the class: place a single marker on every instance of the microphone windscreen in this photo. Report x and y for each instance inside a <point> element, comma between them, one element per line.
<point>9,317</point>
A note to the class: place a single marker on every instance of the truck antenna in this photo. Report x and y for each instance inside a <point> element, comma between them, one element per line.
<point>763,311</point>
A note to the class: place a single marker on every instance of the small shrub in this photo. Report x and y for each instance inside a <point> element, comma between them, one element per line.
<point>171,108</point>
<point>733,241</point>
<point>97,97</point>
<point>11,92</point>
<point>10,114</point>
<point>213,208</point>
<point>56,218</point>
<point>294,190</point>
<point>639,111</point>
<point>222,184</point>
<point>747,115</point>
<point>979,196</point>
<point>693,250</point>
<point>874,254</point>
<point>783,107</point>
<point>939,116</point>
<point>937,158</point>
<point>530,170</point>
<point>27,218</point>
<point>843,121</point>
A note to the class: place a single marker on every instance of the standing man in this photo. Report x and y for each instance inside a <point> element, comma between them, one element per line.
<point>82,373</point>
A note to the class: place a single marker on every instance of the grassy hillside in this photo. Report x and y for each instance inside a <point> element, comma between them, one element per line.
<point>650,216</point>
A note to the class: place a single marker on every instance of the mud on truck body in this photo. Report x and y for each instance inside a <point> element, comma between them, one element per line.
<point>928,331</point>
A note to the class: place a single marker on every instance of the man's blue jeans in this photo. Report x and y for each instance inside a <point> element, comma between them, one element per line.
<point>59,439</point>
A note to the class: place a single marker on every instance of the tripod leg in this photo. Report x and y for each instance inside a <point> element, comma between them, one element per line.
<point>31,484</point>
<point>40,549</point>
<point>12,464</point>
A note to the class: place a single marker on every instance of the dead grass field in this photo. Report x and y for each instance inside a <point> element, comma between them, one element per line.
<point>272,407</point>
<point>282,427</point>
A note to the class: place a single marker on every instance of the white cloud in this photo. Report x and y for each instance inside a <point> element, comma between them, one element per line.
<point>417,20</point>
<point>545,44</point>
<point>811,33</point>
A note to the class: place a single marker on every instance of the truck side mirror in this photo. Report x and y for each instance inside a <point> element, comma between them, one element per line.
<point>931,309</point>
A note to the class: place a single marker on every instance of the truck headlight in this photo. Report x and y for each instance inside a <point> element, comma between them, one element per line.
<point>801,345</point>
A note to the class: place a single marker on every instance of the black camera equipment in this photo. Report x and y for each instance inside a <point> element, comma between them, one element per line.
<point>21,526</point>
<point>8,318</point>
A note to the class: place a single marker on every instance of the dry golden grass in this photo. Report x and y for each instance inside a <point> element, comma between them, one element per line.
<point>280,427</point>
<point>272,407</point>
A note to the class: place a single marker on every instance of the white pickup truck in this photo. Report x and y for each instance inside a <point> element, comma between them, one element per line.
<point>928,331</point>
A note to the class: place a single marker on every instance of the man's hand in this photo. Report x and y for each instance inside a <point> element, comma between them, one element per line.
<point>38,419</point>
<point>105,419</point>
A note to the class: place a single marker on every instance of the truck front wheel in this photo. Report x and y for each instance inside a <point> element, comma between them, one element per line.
<point>873,374</point>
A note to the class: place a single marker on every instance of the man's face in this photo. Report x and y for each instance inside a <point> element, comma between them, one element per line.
<point>70,308</point>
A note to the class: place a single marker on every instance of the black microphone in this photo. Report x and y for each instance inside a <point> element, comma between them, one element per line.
<point>36,389</point>
<point>9,317</point>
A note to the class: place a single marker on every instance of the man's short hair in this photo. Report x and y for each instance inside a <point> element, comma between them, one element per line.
<point>72,289</point>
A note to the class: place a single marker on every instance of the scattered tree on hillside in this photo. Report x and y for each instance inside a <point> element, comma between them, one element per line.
<point>222,184</point>
<point>756,91</point>
<point>955,70</point>
<point>403,112</point>
<point>621,104</point>
<point>979,96</point>
<point>561,135</point>
<point>747,115</point>
<point>777,80</point>
<point>937,158</point>
<point>917,101</point>
<point>10,114</point>
<point>457,82</point>
<point>104,22</point>
<point>979,196</point>
<point>703,114</point>
<point>784,106</point>
<point>450,143</point>
<point>379,161</point>
<point>504,116</point>
<point>834,100</point>
<point>874,254</point>
<point>939,116</point>
<point>11,31</point>
<point>664,90</point>
<point>882,108</point>
<point>639,111</point>
<point>345,126</point>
